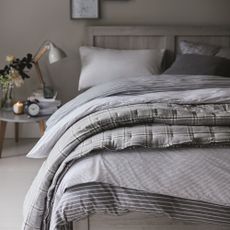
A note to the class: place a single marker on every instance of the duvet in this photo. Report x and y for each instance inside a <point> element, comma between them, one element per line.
<point>151,113</point>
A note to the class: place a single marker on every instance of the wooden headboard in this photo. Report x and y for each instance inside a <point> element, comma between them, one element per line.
<point>133,37</point>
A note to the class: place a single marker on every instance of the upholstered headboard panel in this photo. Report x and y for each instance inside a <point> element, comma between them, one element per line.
<point>156,37</point>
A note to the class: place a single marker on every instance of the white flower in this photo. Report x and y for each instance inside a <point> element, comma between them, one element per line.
<point>10,58</point>
<point>16,78</point>
<point>18,81</point>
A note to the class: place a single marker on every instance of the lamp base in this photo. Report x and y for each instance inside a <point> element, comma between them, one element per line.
<point>48,92</point>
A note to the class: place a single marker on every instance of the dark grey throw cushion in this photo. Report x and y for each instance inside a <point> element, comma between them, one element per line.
<point>194,64</point>
<point>187,47</point>
<point>224,52</point>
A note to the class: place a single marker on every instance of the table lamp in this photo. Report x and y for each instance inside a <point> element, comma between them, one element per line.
<point>55,54</point>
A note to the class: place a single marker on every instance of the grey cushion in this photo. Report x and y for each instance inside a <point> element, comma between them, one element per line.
<point>200,65</point>
<point>224,52</point>
<point>187,47</point>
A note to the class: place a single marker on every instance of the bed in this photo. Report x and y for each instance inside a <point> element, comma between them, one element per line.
<point>210,211</point>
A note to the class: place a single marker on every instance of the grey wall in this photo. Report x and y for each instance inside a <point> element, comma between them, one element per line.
<point>24,24</point>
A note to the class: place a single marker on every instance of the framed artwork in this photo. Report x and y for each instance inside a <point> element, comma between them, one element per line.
<point>84,9</point>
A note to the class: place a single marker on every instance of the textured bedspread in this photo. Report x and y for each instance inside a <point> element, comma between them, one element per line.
<point>182,90</point>
<point>127,125</point>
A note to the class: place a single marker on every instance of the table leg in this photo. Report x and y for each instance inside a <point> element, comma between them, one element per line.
<point>42,126</point>
<point>16,132</point>
<point>2,135</point>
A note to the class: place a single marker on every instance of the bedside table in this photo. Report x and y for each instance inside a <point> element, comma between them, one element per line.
<point>10,117</point>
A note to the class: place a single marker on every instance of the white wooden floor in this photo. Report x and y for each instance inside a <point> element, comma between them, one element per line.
<point>16,175</point>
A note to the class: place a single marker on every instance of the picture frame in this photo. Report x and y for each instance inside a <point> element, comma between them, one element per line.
<point>84,9</point>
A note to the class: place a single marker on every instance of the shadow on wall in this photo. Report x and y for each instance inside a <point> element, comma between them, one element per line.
<point>68,71</point>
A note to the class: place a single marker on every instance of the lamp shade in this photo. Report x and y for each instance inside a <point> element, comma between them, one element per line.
<point>55,53</point>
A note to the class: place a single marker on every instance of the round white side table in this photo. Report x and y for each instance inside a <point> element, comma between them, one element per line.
<point>6,117</point>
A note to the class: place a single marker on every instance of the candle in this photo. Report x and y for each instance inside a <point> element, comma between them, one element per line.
<point>18,108</point>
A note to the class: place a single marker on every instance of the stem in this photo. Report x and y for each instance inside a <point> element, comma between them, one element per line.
<point>5,96</point>
<point>10,91</point>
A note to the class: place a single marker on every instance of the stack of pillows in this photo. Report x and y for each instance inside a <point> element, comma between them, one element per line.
<point>201,59</point>
<point>103,65</point>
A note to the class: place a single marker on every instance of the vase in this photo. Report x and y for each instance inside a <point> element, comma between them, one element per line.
<point>7,98</point>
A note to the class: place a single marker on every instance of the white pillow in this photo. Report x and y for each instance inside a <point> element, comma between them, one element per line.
<point>103,65</point>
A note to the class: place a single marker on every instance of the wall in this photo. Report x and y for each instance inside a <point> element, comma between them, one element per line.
<point>24,24</point>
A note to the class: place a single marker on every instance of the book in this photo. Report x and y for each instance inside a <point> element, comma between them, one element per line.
<point>38,95</point>
<point>48,111</point>
<point>41,98</point>
<point>47,104</point>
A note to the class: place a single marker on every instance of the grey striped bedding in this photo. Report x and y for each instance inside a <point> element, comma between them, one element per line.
<point>79,202</point>
<point>151,125</point>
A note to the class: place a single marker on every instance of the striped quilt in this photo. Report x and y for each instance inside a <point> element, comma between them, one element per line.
<point>148,125</point>
<point>79,202</point>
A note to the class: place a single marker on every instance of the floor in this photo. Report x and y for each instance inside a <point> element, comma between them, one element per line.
<point>16,175</point>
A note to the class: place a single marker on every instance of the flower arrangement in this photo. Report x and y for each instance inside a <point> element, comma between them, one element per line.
<point>13,75</point>
<point>16,71</point>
